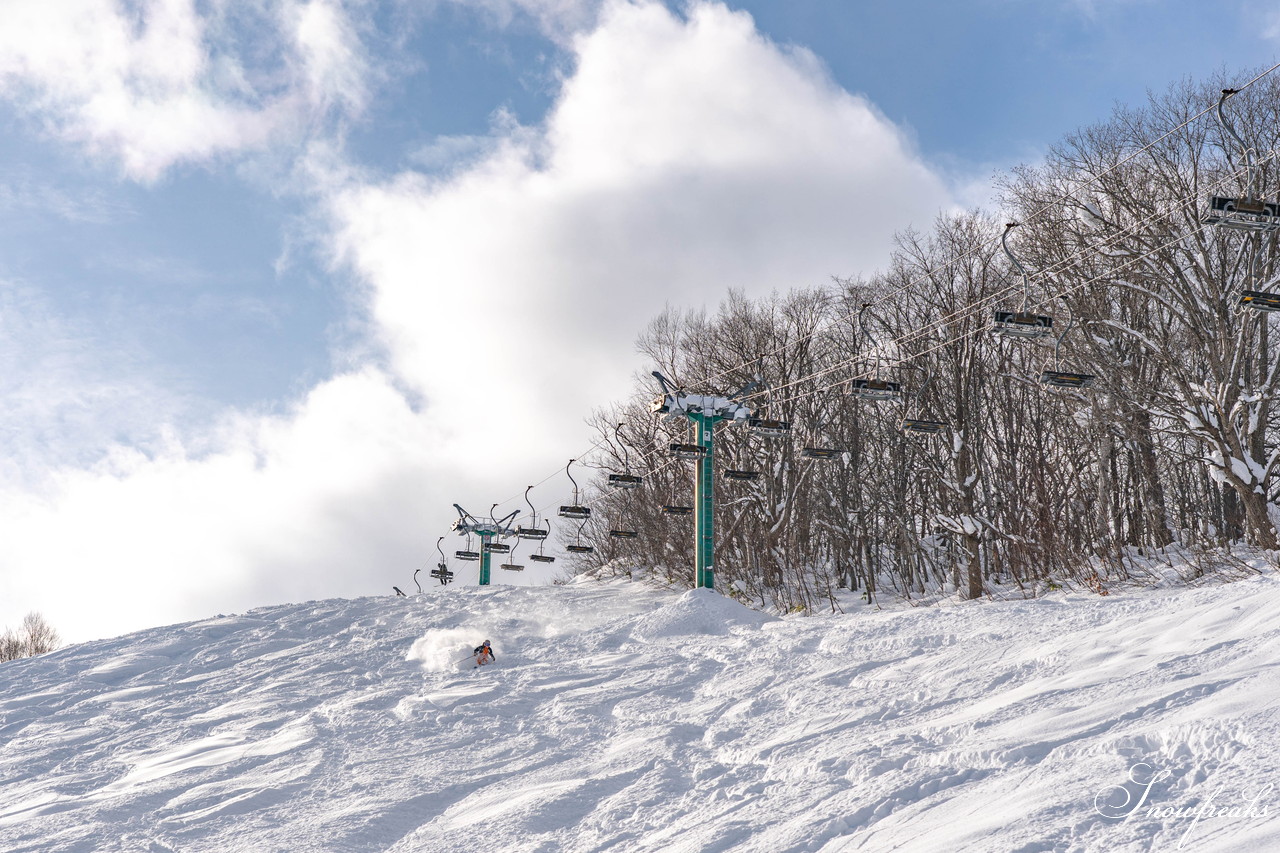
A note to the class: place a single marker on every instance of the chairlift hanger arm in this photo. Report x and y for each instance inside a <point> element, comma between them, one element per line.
<point>1245,150</point>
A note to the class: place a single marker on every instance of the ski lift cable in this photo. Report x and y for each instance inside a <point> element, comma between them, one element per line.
<point>940,344</point>
<point>914,334</point>
<point>1065,197</point>
<point>1110,274</point>
<point>963,256</point>
<point>988,299</point>
<point>984,301</point>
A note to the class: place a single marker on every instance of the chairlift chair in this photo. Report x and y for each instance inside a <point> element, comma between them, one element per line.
<point>625,480</point>
<point>574,510</point>
<point>619,532</point>
<point>497,547</point>
<point>1022,323</point>
<point>769,428</point>
<point>821,453</point>
<point>533,531</point>
<point>741,476</point>
<point>468,556</point>
<point>1260,300</point>
<point>1059,379</point>
<point>577,547</point>
<point>875,389</point>
<point>511,565</point>
<point>1242,214</point>
<point>688,451</point>
<point>1064,379</point>
<point>441,572</point>
<point>923,427</point>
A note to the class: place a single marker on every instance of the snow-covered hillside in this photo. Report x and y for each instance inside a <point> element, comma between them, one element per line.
<point>628,719</point>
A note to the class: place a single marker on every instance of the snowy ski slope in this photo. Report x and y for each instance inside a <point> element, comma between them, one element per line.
<point>629,719</point>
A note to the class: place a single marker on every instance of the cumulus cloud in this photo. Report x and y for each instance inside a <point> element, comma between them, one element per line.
<point>154,83</point>
<point>307,504</point>
<point>684,156</point>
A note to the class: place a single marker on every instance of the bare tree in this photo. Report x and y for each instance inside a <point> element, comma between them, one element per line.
<point>34,637</point>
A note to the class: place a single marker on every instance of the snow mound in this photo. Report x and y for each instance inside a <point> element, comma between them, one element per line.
<point>697,612</point>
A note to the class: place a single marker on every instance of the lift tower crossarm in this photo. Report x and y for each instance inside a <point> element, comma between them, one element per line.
<point>467,524</point>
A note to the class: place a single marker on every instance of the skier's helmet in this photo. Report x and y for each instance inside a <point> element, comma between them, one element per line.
<point>485,643</point>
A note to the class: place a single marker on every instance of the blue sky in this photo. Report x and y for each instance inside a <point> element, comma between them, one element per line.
<point>281,280</point>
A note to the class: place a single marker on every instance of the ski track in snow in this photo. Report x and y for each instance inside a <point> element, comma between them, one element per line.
<point>621,718</point>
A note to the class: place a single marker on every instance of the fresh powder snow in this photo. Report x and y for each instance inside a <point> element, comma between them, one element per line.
<point>622,717</point>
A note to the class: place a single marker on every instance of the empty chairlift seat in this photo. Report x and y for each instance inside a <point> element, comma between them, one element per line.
<point>922,427</point>
<point>875,389</point>
<point>1260,300</point>
<point>1243,214</point>
<point>1058,379</point>
<point>1021,324</point>
<point>770,428</point>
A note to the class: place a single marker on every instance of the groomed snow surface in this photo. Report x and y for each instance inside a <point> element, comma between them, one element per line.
<point>624,718</point>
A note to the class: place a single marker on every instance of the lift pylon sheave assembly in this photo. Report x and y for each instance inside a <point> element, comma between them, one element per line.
<point>1022,323</point>
<point>467,524</point>
<point>704,410</point>
<point>1249,213</point>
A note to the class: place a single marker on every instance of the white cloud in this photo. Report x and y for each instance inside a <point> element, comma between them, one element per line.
<point>156,83</point>
<point>683,157</point>
<point>558,19</point>
<point>316,502</point>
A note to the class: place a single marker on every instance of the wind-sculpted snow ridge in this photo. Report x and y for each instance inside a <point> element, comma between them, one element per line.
<point>623,718</point>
